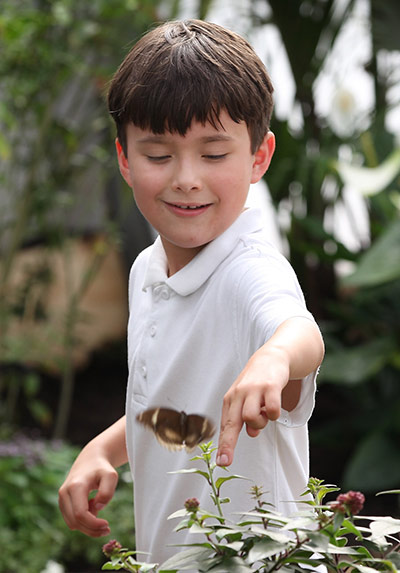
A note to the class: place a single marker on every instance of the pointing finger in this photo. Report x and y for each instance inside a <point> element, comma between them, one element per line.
<point>231,424</point>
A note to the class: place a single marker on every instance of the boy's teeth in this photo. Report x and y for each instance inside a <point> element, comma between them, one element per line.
<point>189,206</point>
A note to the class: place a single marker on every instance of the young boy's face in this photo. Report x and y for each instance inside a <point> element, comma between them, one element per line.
<point>191,188</point>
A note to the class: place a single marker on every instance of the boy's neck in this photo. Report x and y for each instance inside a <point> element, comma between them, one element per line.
<point>177,258</point>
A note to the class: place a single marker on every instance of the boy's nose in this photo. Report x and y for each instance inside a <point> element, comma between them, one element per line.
<point>186,178</point>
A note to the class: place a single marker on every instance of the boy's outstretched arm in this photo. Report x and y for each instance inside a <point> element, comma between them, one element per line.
<point>93,469</point>
<point>270,379</point>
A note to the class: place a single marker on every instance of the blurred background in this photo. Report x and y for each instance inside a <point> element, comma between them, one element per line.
<point>69,231</point>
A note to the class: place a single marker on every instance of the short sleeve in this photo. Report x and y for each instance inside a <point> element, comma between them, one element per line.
<point>302,412</point>
<point>267,294</point>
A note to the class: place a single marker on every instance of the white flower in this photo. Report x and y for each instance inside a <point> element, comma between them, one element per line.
<point>343,114</point>
<point>53,567</point>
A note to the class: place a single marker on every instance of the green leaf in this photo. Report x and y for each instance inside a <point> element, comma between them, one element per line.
<point>305,558</point>
<point>270,534</point>
<point>144,567</point>
<point>230,534</point>
<point>349,527</point>
<point>374,465</point>
<point>111,567</point>
<point>385,526</point>
<point>186,559</point>
<point>380,263</point>
<point>318,489</point>
<point>222,480</point>
<point>303,522</point>
<point>342,550</point>
<point>389,491</point>
<point>266,548</point>
<point>191,471</point>
<point>231,565</point>
<point>178,513</point>
<point>337,521</point>
<point>197,528</point>
<point>352,366</point>
<point>394,557</point>
<point>317,542</point>
<point>362,550</point>
<point>363,568</point>
<point>235,546</point>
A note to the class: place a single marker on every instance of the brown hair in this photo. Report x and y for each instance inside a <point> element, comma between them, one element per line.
<point>191,70</point>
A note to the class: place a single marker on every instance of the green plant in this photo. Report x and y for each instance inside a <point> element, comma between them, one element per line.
<point>363,355</point>
<point>32,530</point>
<point>323,534</point>
<point>55,164</point>
<point>309,182</point>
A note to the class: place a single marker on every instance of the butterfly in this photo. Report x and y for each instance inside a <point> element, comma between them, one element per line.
<point>177,430</point>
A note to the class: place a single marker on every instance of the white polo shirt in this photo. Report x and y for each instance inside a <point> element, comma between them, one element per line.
<point>189,337</point>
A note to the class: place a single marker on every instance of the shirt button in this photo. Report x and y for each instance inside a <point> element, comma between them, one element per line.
<point>165,293</point>
<point>153,330</point>
<point>144,371</point>
<point>161,291</point>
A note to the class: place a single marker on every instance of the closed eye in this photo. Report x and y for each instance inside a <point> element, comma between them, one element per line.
<point>215,157</point>
<point>158,158</point>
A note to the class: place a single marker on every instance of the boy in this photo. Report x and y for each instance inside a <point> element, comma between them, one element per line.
<point>217,318</point>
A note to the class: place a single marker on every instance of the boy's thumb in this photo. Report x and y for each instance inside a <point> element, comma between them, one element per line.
<point>95,506</point>
<point>105,492</point>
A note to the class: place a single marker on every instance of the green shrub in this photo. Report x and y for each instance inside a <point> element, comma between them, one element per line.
<point>329,537</point>
<point>32,530</point>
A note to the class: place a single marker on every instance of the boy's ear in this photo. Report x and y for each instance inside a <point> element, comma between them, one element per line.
<point>123,163</point>
<point>263,156</point>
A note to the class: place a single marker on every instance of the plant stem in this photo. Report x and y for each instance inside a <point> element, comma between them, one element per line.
<point>213,486</point>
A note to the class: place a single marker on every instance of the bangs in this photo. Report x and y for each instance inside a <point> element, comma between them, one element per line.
<point>173,105</point>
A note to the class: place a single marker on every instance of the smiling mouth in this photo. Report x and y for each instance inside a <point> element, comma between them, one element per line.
<point>189,207</point>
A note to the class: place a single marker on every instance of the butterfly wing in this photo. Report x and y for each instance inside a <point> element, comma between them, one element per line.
<point>168,426</point>
<point>177,430</point>
<point>198,429</point>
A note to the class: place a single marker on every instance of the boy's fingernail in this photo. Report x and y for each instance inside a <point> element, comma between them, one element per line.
<point>222,460</point>
<point>99,506</point>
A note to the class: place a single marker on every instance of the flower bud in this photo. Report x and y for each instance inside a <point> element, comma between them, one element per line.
<point>192,504</point>
<point>113,546</point>
<point>351,502</point>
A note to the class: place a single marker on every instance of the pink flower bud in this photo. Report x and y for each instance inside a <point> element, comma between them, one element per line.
<point>111,547</point>
<point>351,502</point>
<point>192,504</point>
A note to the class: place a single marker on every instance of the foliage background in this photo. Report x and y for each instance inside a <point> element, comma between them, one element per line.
<point>59,183</point>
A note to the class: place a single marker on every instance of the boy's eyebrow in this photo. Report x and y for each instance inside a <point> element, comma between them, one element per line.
<point>152,139</point>
<point>155,138</point>
<point>216,137</point>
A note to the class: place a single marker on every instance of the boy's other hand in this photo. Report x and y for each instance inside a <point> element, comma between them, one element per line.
<point>78,511</point>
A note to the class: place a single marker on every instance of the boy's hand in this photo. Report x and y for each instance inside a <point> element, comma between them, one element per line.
<point>94,469</point>
<point>253,399</point>
<point>79,512</point>
<point>269,379</point>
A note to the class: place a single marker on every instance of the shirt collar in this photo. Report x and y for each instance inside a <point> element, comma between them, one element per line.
<point>193,275</point>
